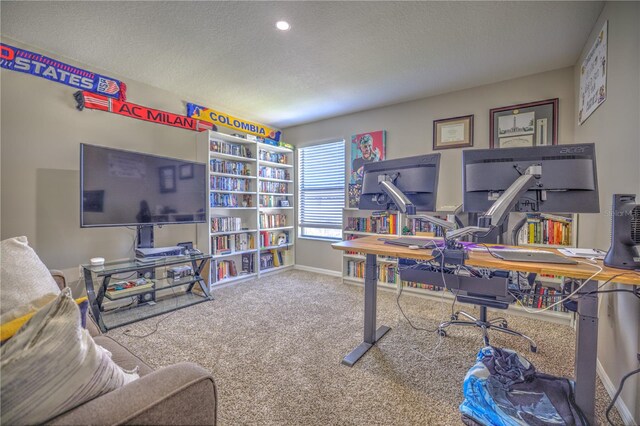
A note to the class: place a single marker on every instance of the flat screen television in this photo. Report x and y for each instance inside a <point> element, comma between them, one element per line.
<point>126,188</point>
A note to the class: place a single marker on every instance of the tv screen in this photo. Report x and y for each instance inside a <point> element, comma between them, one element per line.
<point>119,188</point>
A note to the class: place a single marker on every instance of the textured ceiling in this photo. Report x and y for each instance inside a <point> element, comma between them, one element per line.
<point>338,57</point>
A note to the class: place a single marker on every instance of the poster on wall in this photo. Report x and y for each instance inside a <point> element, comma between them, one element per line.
<point>214,117</point>
<point>593,77</point>
<point>365,148</point>
<point>15,59</point>
<point>102,103</point>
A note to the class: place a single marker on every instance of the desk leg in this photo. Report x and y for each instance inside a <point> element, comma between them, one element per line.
<point>371,334</point>
<point>587,351</point>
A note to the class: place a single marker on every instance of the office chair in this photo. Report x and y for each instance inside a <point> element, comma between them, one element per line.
<point>498,324</point>
<point>490,301</point>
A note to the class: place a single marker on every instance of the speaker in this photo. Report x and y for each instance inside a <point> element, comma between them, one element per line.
<point>147,297</point>
<point>625,233</point>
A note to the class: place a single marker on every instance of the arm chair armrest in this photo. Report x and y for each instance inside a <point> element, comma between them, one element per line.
<point>183,393</point>
<point>59,278</point>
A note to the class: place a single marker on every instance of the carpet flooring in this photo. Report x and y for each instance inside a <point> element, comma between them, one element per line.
<point>274,347</point>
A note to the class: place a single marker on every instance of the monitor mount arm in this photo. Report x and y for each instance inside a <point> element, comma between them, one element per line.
<point>406,206</point>
<point>499,211</point>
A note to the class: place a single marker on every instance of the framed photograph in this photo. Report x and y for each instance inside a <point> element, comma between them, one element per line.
<point>93,201</point>
<point>528,124</point>
<point>167,179</point>
<point>456,132</point>
<point>186,171</point>
<point>284,203</point>
<point>366,148</point>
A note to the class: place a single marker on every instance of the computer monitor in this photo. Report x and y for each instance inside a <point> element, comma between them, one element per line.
<point>567,183</point>
<point>416,178</point>
<point>551,179</point>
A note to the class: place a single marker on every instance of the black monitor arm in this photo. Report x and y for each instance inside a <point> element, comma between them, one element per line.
<point>499,211</point>
<point>406,206</point>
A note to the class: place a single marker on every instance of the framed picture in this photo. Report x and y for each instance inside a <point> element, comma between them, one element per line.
<point>456,132</point>
<point>284,203</point>
<point>366,148</point>
<point>529,124</point>
<point>186,171</point>
<point>167,179</point>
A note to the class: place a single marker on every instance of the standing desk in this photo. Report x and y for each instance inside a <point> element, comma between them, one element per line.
<point>587,324</point>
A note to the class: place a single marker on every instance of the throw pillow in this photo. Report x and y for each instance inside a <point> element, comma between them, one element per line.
<point>52,365</point>
<point>25,282</point>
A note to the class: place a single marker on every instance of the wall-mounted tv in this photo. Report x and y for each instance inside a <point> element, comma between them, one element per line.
<point>126,188</point>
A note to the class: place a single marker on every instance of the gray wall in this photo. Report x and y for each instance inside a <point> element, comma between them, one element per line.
<point>615,129</point>
<point>409,129</point>
<point>41,133</point>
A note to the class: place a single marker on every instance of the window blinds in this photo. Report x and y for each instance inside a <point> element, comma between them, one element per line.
<point>321,183</point>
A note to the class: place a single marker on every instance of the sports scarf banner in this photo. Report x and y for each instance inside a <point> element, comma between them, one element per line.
<point>102,103</point>
<point>15,59</point>
<point>215,117</point>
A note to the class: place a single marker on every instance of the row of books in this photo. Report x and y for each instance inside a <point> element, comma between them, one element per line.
<point>230,184</point>
<point>271,259</point>
<point>541,297</point>
<point>226,269</point>
<point>225,224</point>
<point>381,223</point>
<point>230,167</point>
<point>267,186</point>
<point>229,200</point>
<point>546,229</point>
<point>424,226</point>
<point>274,157</point>
<point>274,173</point>
<point>271,201</point>
<point>226,244</point>
<point>275,220</point>
<point>268,239</point>
<point>223,147</point>
<point>422,286</point>
<point>387,273</point>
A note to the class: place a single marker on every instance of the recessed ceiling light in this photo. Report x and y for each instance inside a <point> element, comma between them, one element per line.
<point>283,25</point>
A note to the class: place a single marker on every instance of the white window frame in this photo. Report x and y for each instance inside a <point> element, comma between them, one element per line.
<point>338,184</point>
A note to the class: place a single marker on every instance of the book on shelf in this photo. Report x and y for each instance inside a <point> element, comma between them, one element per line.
<point>225,224</point>
<point>387,273</point>
<point>273,238</point>
<point>272,220</point>
<point>377,223</point>
<point>274,157</point>
<point>273,173</point>
<point>546,229</point>
<point>223,147</point>
<point>227,244</point>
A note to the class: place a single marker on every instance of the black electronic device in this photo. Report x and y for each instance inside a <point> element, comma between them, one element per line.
<point>567,182</point>
<point>126,188</point>
<point>149,296</point>
<point>416,178</point>
<point>625,233</point>
<point>552,179</point>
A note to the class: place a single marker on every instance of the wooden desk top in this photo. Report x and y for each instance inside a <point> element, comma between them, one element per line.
<point>371,245</point>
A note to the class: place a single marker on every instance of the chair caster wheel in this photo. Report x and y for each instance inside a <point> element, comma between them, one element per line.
<point>442,332</point>
<point>533,349</point>
<point>504,324</point>
<point>454,317</point>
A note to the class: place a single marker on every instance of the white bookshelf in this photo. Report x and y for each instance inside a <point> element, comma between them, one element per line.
<point>234,184</point>
<point>276,186</point>
<point>349,260</point>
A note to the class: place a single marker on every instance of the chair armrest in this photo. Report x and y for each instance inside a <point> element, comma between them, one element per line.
<point>183,393</point>
<point>59,278</point>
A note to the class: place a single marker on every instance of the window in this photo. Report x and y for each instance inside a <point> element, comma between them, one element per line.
<point>321,177</point>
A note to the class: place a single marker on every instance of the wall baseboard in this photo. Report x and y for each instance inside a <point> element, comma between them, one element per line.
<point>625,413</point>
<point>318,270</point>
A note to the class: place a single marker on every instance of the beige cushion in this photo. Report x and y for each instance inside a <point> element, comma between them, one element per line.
<point>25,282</point>
<point>53,365</point>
